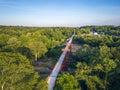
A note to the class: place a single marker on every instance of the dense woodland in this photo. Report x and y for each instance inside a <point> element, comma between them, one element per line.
<point>97,63</point>
<point>20,47</point>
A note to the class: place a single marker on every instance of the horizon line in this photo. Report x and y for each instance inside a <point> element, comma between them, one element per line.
<point>60,25</point>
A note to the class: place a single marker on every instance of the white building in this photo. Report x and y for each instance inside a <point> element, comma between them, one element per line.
<point>94,33</point>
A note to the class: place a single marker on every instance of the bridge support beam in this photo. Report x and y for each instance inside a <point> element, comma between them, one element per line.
<point>52,78</point>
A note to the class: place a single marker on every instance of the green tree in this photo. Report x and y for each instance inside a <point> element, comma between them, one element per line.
<point>105,66</point>
<point>3,39</point>
<point>42,85</point>
<point>67,82</point>
<point>16,73</point>
<point>87,79</point>
<point>11,45</point>
<point>38,48</point>
<point>105,52</point>
<point>86,54</point>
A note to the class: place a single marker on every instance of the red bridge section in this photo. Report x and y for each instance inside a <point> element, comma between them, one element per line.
<point>59,65</point>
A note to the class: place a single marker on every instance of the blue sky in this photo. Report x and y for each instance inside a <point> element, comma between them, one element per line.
<point>71,13</point>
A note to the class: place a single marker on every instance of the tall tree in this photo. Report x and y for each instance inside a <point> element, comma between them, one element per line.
<point>16,73</point>
<point>88,80</point>
<point>38,48</point>
<point>67,82</point>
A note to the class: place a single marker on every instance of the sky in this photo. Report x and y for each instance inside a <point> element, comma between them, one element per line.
<point>52,13</point>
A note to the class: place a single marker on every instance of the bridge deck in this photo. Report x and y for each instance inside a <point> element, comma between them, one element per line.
<point>56,69</point>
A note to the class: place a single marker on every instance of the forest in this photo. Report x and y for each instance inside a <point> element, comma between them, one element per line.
<point>97,62</point>
<point>96,65</point>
